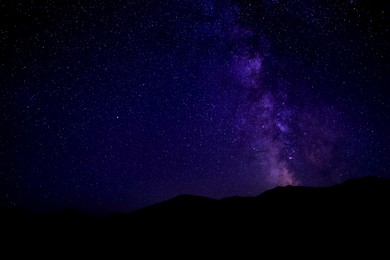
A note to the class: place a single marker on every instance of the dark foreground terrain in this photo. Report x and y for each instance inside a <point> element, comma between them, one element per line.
<point>354,213</point>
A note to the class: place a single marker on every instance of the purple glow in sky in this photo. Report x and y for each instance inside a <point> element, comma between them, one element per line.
<point>115,105</point>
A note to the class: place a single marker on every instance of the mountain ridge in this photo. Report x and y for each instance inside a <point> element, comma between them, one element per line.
<point>350,209</point>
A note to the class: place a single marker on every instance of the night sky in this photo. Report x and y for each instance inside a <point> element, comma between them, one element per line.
<point>109,106</point>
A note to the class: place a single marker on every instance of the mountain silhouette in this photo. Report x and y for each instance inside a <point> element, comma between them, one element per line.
<point>354,210</point>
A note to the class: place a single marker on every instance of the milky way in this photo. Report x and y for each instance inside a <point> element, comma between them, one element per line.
<point>112,106</point>
<point>284,143</point>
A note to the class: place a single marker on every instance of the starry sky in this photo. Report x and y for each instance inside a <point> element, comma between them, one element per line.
<point>109,106</point>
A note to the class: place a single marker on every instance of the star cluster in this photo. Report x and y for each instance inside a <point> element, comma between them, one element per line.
<point>114,105</point>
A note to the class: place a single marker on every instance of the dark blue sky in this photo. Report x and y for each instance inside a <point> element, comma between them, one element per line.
<point>115,105</point>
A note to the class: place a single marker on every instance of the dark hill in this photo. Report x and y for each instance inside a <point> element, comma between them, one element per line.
<point>354,210</point>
